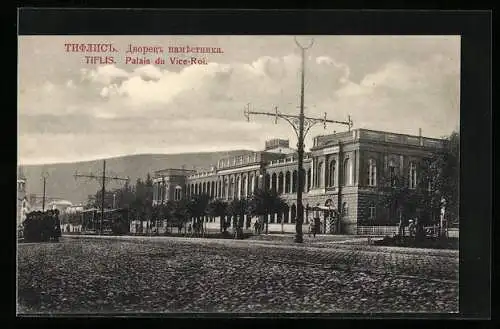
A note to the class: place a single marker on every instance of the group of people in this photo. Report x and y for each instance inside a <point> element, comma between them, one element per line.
<point>415,229</point>
<point>315,223</point>
<point>195,228</point>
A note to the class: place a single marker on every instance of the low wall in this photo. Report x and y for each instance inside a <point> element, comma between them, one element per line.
<point>287,228</point>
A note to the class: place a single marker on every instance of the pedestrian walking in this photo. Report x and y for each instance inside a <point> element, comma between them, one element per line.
<point>316,220</point>
<point>311,228</point>
<point>411,228</point>
<point>401,228</point>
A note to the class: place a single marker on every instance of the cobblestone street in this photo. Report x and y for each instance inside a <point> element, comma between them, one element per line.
<point>161,274</point>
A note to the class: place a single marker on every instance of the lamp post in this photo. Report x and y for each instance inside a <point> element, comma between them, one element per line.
<point>45,175</point>
<point>301,125</point>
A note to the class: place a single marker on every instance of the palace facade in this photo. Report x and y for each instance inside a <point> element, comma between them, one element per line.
<point>343,171</point>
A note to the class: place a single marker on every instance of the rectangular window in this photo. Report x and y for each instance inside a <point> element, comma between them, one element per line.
<point>372,212</point>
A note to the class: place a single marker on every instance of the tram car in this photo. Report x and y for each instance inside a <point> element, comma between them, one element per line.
<point>42,226</point>
<point>116,221</point>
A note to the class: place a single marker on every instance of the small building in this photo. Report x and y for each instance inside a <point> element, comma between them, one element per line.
<point>23,206</point>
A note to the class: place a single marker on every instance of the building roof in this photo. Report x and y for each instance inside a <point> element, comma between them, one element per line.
<point>61,203</point>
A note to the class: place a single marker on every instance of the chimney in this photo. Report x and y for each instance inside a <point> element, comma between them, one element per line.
<point>419,132</point>
<point>421,140</point>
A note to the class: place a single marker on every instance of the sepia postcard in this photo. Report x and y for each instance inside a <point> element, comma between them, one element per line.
<point>238,174</point>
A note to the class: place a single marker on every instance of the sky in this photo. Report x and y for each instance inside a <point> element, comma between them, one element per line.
<point>70,110</point>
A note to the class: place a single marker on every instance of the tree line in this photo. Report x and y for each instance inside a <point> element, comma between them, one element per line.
<point>138,201</point>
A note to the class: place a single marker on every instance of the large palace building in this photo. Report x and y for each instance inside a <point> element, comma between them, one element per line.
<point>342,170</point>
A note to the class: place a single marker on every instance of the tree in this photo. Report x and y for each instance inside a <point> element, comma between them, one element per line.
<point>446,172</point>
<point>181,212</point>
<point>437,181</point>
<point>125,196</point>
<point>142,202</point>
<point>198,206</point>
<point>166,212</point>
<point>282,206</point>
<point>402,202</point>
<point>218,208</point>
<point>264,203</point>
<point>137,203</point>
<point>237,208</point>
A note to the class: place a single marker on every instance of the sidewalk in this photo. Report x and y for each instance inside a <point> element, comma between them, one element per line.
<point>309,243</point>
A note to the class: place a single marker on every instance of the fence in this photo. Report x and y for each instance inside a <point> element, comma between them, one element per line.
<point>390,230</point>
<point>377,230</point>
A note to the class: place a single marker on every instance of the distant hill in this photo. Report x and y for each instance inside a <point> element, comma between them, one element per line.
<point>62,184</point>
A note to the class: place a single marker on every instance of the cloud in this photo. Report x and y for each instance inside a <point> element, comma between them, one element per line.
<point>149,72</point>
<point>104,74</point>
<point>70,84</point>
<point>201,106</point>
<point>401,97</point>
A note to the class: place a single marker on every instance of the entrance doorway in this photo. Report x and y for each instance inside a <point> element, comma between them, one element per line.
<point>329,218</point>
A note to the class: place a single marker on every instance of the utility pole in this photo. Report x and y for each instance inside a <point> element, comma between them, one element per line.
<point>103,179</point>
<point>301,125</point>
<point>45,175</point>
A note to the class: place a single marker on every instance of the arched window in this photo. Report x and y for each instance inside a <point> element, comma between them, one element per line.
<point>331,173</point>
<point>274,182</point>
<point>321,175</point>
<point>294,213</point>
<point>280,183</point>
<point>372,172</point>
<point>177,193</point>
<point>413,175</point>
<point>347,172</point>
<point>294,181</point>
<point>287,182</point>
<point>345,209</point>
<point>231,188</point>
<point>224,188</point>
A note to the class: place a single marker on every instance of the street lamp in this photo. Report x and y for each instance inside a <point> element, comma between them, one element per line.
<point>300,208</point>
<point>45,175</point>
<point>301,125</point>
